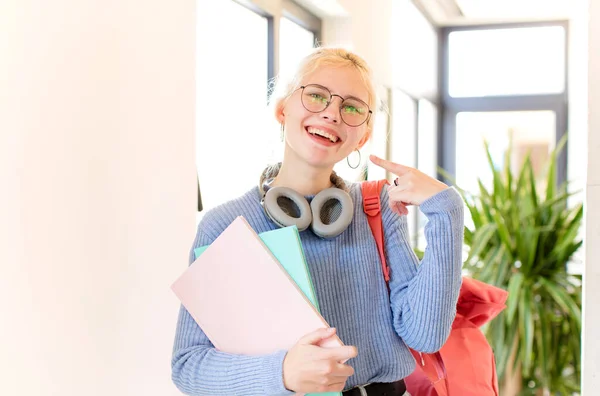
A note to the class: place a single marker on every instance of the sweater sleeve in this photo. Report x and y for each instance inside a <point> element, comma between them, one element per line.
<point>423,295</point>
<point>197,368</point>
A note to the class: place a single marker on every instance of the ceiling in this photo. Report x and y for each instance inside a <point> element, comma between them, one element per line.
<point>324,8</point>
<point>459,12</point>
<point>516,8</point>
<point>464,12</point>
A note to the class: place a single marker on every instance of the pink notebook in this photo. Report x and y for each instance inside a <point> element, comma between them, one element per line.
<point>243,299</point>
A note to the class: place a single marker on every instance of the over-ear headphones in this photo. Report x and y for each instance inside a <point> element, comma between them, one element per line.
<point>329,213</point>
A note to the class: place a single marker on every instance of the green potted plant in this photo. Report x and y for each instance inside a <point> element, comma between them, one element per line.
<point>521,240</point>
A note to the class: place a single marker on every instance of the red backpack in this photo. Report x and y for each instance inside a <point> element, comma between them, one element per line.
<point>465,365</point>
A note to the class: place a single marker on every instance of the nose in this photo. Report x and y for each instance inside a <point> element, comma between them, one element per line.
<point>332,112</point>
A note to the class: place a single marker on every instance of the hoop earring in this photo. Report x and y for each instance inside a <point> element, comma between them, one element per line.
<point>359,160</point>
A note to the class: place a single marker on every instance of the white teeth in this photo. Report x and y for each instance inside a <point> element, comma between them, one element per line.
<point>316,131</point>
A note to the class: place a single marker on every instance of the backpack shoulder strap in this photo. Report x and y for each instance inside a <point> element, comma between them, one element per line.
<point>431,364</point>
<point>371,192</point>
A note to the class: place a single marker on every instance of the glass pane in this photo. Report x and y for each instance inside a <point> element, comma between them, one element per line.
<point>414,54</point>
<point>403,148</point>
<point>294,43</point>
<point>532,131</point>
<point>427,127</point>
<point>379,140</point>
<point>427,156</point>
<point>507,61</point>
<point>231,101</point>
<point>404,127</point>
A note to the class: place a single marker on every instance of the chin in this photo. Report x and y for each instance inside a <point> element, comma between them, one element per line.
<point>319,161</point>
<point>313,155</point>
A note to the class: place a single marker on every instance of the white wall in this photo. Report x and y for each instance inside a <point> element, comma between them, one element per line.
<point>367,31</point>
<point>591,302</point>
<point>98,192</point>
<point>577,91</point>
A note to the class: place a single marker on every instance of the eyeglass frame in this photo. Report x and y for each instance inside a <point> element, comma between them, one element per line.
<point>331,95</point>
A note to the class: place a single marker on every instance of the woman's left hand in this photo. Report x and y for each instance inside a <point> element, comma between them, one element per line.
<point>412,186</point>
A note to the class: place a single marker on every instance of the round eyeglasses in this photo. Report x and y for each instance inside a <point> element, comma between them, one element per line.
<point>353,111</point>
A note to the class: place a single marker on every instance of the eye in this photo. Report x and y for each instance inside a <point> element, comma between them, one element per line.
<point>349,109</point>
<point>317,98</point>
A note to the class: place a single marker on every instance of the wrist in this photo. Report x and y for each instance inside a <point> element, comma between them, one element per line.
<point>285,373</point>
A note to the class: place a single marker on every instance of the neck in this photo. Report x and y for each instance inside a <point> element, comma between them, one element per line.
<point>303,178</point>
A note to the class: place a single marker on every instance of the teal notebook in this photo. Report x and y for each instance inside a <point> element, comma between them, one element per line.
<point>286,246</point>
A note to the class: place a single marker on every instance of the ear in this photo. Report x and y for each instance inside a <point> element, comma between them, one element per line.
<point>279,113</point>
<point>365,138</point>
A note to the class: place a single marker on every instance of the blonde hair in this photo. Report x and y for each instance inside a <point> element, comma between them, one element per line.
<point>282,88</point>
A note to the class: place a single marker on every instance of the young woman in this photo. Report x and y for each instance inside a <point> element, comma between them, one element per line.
<point>326,112</point>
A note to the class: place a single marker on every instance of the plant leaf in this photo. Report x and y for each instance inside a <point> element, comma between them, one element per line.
<point>503,233</point>
<point>564,300</point>
<point>527,329</point>
<point>507,171</point>
<point>498,192</point>
<point>551,173</point>
<point>478,219</point>
<point>532,187</point>
<point>481,237</point>
<point>503,269</point>
<point>543,344</point>
<point>514,286</point>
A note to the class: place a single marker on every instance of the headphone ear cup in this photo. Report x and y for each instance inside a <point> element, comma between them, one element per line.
<point>323,200</point>
<point>293,204</point>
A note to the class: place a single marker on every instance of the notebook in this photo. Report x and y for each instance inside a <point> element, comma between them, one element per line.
<point>286,246</point>
<point>243,299</point>
<point>284,243</point>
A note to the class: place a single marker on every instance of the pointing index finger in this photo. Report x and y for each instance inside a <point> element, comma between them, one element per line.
<point>390,166</point>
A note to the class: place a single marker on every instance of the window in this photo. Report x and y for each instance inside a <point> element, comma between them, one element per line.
<point>515,61</point>
<point>294,43</point>
<point>501,77</point>
<point>427,147</point>
<point>427,122</point>
<point>404,129</point>
<point>403,143</point>
<point>231,101</point>
<point>530,131</point>
<point>414,54</point>
<point>378,144</point>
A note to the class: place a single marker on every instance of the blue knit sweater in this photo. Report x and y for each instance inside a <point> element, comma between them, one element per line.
<point>352,295</point>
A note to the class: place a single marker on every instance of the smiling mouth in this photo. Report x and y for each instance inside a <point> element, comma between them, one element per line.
<point>323,134</point>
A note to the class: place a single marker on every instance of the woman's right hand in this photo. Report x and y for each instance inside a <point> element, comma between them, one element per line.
<point>309,368</point>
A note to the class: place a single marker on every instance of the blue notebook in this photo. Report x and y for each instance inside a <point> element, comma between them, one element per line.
<point>286,246</point>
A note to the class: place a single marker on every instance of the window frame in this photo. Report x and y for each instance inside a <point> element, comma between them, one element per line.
<point>451,106</point>
<point>303,17</point>
<point>274,12</point>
